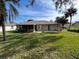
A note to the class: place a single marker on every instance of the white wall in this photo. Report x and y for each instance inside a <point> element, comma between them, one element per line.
<point>8,28</point>
<point>44,27</point>
<point>52,27</point>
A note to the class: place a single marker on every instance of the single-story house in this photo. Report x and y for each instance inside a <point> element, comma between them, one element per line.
<point>33,26</point>
<point>9,27</point>
<point>75,25</point>
<point>66,25</point>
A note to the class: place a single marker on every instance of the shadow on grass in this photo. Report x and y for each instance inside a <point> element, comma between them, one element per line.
<point>16,31</point>
<point>24,42</point>
<point>30,32</point>
<point>51,32</point>
<point>50,39</point>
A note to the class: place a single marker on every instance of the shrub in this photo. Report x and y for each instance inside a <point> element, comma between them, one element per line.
<point>73,30</point>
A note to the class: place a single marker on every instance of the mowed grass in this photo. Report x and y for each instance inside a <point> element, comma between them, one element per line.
<point>53,45</point>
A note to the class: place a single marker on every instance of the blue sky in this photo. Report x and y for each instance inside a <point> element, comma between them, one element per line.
<point>41,10</point>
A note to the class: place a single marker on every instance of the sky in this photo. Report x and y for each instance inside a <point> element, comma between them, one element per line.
<point>41,10</point>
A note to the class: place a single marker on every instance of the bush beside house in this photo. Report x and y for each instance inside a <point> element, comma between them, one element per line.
<point>74,30</point>
<point>74,27</point>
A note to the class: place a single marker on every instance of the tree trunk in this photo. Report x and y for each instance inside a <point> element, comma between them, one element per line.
<point>3,28</point>
<point>2,15</point>
<point>62,26</point>
<point>70,22</point>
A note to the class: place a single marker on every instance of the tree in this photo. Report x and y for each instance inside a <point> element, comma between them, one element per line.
<point>12,12</point>
<point>60,3</point>
<point>3,12</point>
<point>61,20</point>
<point>70,13</point>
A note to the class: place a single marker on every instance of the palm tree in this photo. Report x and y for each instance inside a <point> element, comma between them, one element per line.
<point>69,13</point>
<point>3,12</point>
<point>61,20</point>
<point>11,12</point>
<point>60,3</point>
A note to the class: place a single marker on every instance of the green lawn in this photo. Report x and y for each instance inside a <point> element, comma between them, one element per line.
<point>63,45</point>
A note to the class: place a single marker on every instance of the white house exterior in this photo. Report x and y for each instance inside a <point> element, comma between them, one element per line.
<point>75,25</point>
<point>9,27</point>
<point>34,26</point>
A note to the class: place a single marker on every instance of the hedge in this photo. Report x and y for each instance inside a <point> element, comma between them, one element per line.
<point>73,30</point>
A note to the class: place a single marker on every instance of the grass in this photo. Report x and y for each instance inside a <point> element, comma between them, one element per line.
<point>64,45</point>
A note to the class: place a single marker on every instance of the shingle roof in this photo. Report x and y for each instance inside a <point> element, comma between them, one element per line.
<point>36,22</point>
<point>10,24</point>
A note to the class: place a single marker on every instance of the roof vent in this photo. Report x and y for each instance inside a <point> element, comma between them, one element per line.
<point>51,20</point>
<point>30,20</point>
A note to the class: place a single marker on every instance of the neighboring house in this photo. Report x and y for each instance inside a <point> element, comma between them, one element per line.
<point>75,25</point>
<point>66,25</point>
<point>32,26</point>
<point>9,27</point>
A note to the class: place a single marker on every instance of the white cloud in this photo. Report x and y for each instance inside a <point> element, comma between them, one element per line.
<point>48,13</point>
<point>76,17</point>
